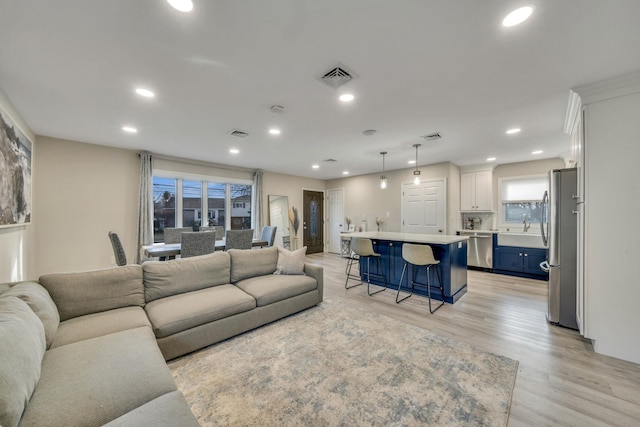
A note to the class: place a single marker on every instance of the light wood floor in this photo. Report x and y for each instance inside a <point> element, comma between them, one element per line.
<point>560,382</point>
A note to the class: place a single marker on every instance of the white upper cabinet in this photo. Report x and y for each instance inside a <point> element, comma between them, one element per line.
<point>476,191</point>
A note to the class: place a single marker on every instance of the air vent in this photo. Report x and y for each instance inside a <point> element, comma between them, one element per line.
<point>238,133</point>
<point>330,160</point>
<point>432,137</point>
<point>336,77</point>
<point>277,109</point>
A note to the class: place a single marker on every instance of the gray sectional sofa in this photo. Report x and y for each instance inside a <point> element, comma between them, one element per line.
<point>89,348</point>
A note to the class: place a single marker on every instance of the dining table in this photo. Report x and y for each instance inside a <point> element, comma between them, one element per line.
<point>171,250</point>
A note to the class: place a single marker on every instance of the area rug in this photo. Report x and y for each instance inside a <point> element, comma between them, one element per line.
<point>341,365</point>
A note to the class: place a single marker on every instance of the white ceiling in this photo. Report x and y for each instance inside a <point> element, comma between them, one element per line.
<point>70,68</point>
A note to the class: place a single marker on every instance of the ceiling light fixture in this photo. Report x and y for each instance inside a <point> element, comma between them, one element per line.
<point>145,92</point>
<point>234,151</point>
<point>383,178</point>
<point>181,5</point>
<point>512,131</point>
<point>347,97</point>
<point>491,159</point>
<point>345,173</point>
<point>537,152</point>
<point>412,162</point>
<point>315,166</point>
<point>274,131</point>
<point>416,172</point>
<point>129,129</point>
<point>518,16</point>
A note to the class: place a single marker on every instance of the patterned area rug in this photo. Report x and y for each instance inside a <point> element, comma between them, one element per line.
<point>339,365</point>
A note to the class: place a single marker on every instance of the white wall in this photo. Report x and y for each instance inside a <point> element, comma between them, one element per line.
<point>612,205</point>
<point>17,244</point>
<point>83,191</point>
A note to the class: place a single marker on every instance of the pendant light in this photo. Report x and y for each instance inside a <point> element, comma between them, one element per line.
<point>383,178</point>
<point>416,172</point>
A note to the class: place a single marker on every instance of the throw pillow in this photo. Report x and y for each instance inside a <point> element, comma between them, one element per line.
<point>290,262</point>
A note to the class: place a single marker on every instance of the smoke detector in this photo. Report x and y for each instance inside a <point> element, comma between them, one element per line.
<point>337,76</point>
<point>330,160</point>
<point>432,137</point>
<point>238,133</point>
<point>277,109</point>
<point>369,132</point>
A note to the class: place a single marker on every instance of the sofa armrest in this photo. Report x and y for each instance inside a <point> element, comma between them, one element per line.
<point>317,273</point>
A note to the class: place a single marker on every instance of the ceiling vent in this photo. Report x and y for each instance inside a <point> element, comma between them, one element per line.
<point>432,136</point>
<point>277,109</point>
<point>238,133</point>
<point>330,160</point>
<point>336,77</point>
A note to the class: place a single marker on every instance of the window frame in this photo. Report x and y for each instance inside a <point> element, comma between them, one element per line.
<point>502,208</point>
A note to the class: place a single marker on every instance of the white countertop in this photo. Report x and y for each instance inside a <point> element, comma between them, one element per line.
<point>478,231</point>
<point>436,239</point>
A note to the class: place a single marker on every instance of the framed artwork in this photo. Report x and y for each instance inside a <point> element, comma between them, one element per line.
<point>15,174</point>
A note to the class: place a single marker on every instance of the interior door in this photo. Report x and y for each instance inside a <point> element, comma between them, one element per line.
<point>423,207</point>
<point>313,220</point>
<point>335,206</point>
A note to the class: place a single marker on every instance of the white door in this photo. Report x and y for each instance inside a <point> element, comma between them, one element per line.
<point>336,218</point>
<point>423,207</point>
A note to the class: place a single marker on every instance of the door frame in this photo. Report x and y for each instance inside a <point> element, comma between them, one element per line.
<point>324,213</point>
<point>444,200</point>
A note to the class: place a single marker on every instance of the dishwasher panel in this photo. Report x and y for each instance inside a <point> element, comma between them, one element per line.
<point>480,249</point>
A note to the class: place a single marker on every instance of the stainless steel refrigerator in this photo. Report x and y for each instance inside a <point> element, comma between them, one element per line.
<point>559,234</point>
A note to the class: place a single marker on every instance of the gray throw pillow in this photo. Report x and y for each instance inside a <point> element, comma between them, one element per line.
<point>41,303</point>
<point>22,347</point>
<point>290,262</point>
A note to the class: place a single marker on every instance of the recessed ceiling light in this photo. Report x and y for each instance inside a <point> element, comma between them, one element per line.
<point>537,152</point>
<point>518,16</point>
<point>491,159</point>
<point>129,129</point>
<point>346,97</point>
<point>315,166</point>
<point>274,131</point>
<point>345,173</point>
<point>145,92</point>
<point>512,131</point>
<point>234,151</point>
<point>181,5</point>
<point>412,162</point>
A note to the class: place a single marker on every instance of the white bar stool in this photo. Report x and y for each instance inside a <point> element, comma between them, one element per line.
<point>418,256</point>
<point>363,248</point>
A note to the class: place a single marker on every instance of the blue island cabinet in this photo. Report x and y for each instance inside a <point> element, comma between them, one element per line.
<point>451,254</point>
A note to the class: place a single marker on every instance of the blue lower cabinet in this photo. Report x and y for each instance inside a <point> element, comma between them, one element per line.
<point>517,261</point>
<point>453,268</point>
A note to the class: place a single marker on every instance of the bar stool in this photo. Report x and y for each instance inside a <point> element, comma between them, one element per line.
<point>418,256</point>
<point>363,249</point>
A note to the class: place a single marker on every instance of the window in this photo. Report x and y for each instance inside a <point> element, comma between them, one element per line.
<point>180,202</point>
<point>521,199</point>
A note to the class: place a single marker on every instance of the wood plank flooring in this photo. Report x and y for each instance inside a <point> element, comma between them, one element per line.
<point>561,381</point>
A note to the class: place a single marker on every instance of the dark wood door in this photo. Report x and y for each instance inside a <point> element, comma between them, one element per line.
<point>313,221</point>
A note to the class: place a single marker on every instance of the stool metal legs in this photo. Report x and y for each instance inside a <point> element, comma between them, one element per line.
<point>367,273</point>
<point>428,285</point>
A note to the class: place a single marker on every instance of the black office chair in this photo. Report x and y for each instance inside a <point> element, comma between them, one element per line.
<point>118,250</point>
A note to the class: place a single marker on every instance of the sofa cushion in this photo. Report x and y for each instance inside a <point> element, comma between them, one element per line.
<point>184,311</point>
<point>271,288</point>
<point>170,409</point>
<point>166,278</point>
<point>290,262</point>
<point>22,346</point>
<point>247,263</point>
<point>77,294</point>
<point>92,382</point>
<point>41,303</point>
<point>99,324</point>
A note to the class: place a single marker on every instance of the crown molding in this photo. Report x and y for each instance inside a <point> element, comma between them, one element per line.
<point>626,84</point>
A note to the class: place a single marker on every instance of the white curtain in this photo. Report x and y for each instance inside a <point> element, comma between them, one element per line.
<point>145,204</point>
<point>256,203</point>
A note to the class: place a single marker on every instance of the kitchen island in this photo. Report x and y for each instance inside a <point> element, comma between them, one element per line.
<point>450,250</point>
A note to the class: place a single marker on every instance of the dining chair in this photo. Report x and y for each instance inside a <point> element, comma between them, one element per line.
<point>196,243</point>
<point>172,235</point>
<point>118,250</point>
<point>268,234</point>
<point>238,239</point>
<point>206,228</point>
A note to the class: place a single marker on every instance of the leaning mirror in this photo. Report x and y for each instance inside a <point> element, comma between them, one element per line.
<point>278,217</point>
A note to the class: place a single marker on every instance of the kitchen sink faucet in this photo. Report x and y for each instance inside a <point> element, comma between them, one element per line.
<point>524,221</point>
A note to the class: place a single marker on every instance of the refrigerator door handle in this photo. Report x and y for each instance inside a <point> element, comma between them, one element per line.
<point>543,217</point>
